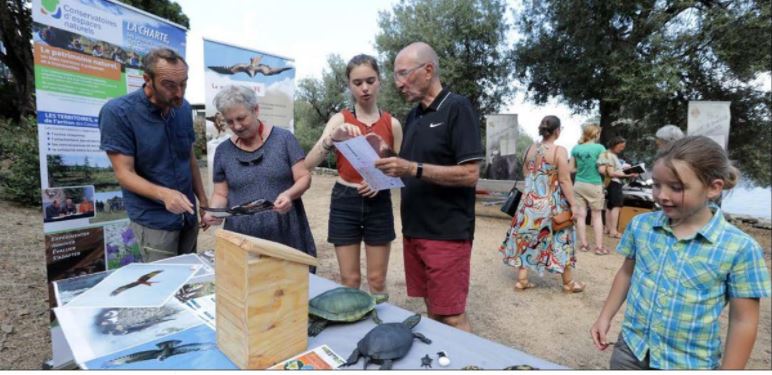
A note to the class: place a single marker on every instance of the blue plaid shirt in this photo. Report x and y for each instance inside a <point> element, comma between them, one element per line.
<point>679,288</point>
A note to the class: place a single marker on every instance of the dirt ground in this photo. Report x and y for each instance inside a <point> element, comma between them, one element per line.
<point>542,321</point>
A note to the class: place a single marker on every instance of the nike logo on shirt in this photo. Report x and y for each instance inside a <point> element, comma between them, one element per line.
<point>435,124</point>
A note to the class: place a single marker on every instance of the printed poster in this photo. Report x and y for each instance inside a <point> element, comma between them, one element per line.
<point>501,158</point>
<point>711,119</point>
<point>86,53</point>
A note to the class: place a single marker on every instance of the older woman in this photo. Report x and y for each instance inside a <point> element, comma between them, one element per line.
<point>667,135</point>
<point>260,161</point>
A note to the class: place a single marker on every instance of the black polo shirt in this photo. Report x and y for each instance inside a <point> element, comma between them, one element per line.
<point>445,133</point>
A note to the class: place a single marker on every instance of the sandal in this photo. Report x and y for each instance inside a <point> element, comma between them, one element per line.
<point>600,250</point>
<point>522,285</point>
<point>573,287</point>
<point>584,248</point>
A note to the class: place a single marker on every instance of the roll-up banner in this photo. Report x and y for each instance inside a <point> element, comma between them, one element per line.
<point>711,119</point>
<point>86,53</point>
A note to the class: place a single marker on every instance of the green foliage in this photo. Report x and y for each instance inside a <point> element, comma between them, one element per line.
<point>470,38</point>
<point>19,168</point>
<point>16,37</point>
<point>641,62</point>
<point>324,97</point>
<point>318,100</point>
<point>523,141</point>
<point>308,131</point>
<point>162,8</point>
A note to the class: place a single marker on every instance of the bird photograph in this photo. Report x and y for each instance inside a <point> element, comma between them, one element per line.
<point>165,350</point>
<point>142,280</point>
<point>252,69</point>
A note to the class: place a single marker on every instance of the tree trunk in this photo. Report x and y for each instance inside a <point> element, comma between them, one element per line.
<point>609,112</point>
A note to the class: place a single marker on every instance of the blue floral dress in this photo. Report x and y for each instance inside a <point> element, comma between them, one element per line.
<point>530,240</point>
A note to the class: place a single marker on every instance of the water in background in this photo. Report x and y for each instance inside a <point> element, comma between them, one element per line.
<point>756,202</point>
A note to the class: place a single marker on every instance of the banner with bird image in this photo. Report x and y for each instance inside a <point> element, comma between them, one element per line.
<point>86,53</point>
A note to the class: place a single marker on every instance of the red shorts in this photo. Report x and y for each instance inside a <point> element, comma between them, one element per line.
<point>438,271</point>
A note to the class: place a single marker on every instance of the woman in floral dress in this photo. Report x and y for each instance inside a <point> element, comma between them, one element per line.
<point>530,241</point>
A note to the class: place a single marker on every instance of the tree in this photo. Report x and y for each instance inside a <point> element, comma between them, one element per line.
<point>16,36</point>
<point>166,9</point>
<point>640,63</point>
<point>325,96</point>
<point>470,38</point>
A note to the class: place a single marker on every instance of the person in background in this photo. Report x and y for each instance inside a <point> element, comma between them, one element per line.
<point>531,241</point>
<point>85,206</point>
<point>588,187</point>
<point>148,136</point>
<point>357,212</point>
<point>667,135</point>
<point>260,161</point>
<point>610,166</point>
<point>97,50</point>
<point>53,210</point>
<point>69,207</point>
<point>439,162</point>
<point>682,265</point>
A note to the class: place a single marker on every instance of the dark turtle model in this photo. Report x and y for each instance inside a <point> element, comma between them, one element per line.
<point>340,305</point>
<point>387,342</point>
<point>520,367</point>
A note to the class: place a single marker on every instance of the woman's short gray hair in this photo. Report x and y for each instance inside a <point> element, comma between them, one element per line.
<point>232,96</point>
<point>669,133</point>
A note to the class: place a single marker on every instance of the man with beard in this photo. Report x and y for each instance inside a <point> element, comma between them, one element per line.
<point>148,136</point>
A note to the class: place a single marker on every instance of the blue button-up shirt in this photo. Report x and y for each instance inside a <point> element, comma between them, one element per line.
<point>160,146</point>
<point>679,288</point>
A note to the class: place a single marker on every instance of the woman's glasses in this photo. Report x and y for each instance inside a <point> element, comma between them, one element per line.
<point>251,161</point>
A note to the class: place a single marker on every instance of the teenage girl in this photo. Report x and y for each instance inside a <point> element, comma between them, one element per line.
<point>682,265</point>
<point>357,212</point>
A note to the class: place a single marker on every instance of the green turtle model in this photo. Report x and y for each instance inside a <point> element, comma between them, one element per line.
<point>342,305</point>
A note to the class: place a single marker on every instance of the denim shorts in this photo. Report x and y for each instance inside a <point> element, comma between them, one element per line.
<point>354,218</point>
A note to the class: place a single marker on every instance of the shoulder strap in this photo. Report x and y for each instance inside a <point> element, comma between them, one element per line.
<point>525,155</point>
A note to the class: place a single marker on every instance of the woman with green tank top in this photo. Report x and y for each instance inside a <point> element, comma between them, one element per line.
<point>588,187</point>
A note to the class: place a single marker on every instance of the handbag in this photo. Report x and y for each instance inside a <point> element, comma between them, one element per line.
<point>562,221</point>
<point>513,200</point>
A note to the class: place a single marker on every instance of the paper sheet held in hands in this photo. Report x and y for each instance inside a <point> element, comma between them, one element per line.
<point>362,156</point>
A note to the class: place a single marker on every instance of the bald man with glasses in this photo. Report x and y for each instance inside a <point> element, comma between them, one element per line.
<point>439,163</point>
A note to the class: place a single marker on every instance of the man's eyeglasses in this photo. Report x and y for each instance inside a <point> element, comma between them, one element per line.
<point>404,73</point>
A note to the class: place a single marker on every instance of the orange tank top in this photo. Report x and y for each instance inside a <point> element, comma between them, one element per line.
<point>382,127</point>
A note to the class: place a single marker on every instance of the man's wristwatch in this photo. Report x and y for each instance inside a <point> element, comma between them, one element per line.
<point>419,170</point>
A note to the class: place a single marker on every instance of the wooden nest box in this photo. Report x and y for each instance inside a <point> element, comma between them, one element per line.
<point>262,299</point>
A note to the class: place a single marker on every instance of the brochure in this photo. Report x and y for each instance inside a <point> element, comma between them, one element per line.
<point>362,156</point>
<point>319,358</point>
<point>249,208</point>
<point>639,169</point>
